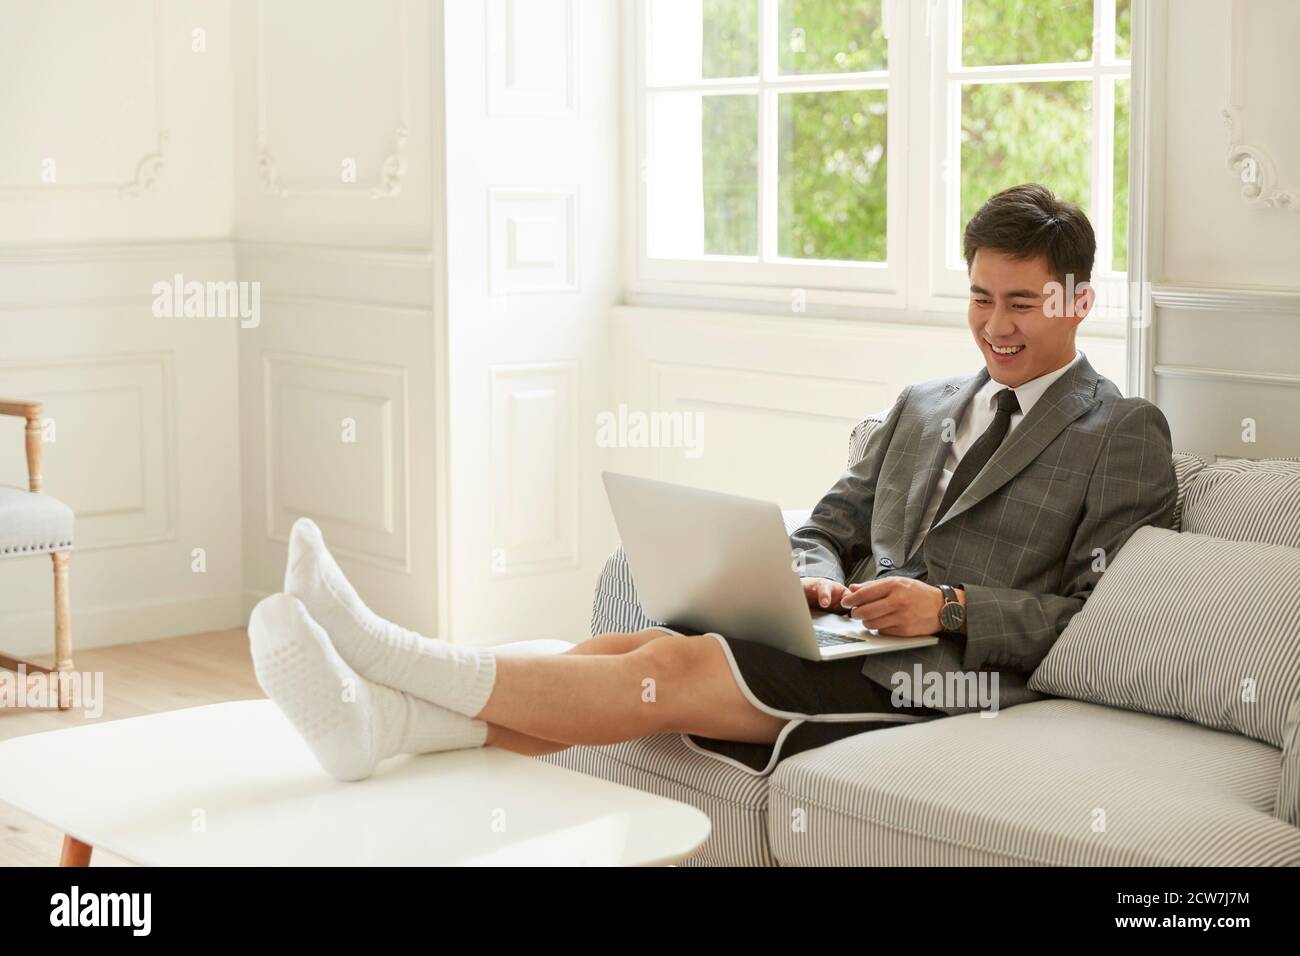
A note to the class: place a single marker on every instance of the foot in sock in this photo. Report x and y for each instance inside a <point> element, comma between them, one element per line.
<point>349,723</point>
<point>455,677</point>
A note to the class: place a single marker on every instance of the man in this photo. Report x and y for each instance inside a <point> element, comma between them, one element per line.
<point>984,509</point>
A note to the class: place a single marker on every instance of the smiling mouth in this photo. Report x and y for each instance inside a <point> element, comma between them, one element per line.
<point>1006,349</point>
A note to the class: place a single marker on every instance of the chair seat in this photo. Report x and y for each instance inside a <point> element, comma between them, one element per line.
<point>32,523</point>
<point>1056,782</point>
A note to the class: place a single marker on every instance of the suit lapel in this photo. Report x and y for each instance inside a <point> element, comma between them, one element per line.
<point>933,450</point>
<point>1068,397</point>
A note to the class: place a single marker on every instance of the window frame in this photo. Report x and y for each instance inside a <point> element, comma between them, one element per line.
<point>923,118</point>
<point>768,276</point>
<point>947,78</point>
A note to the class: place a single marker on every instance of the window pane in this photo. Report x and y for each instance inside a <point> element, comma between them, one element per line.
<point>1015,133</point>
<point>1123,29</point>
<point>831,36</point>
<point>1002,32</point>
<point>1119,256</point>
<point>831,177</point>
<point>707,39</point>
<point>703,175</point>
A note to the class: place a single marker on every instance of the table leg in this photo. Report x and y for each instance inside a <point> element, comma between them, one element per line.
<point>75,853</point>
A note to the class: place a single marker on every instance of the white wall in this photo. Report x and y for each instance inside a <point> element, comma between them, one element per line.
<point>1226,328</point>
<point>306,152</point>
<point>115,174</point>
<point>336,173</point>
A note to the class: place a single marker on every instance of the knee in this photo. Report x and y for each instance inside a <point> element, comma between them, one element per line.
<point>671,660</point>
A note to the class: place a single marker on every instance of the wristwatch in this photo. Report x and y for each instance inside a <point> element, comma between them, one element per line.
<point>952,616</point>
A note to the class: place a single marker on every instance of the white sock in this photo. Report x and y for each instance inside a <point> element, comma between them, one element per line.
<point>349,723</point>
<point>458,678</point>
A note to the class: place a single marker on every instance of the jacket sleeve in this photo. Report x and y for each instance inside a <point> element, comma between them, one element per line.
<point>1132,485</point>
<point>838,532</point>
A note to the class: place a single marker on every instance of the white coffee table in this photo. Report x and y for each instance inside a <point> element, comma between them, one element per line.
<point>233,784</point>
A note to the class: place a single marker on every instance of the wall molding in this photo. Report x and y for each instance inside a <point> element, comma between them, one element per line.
<point>397,480</point>
<point>164,511</point>
<point>1252,165</point>
<point>341,302</point>
<point>514,389</point>
<point>1225,299</point>
<point>507,97</point>
<point>72,253</point>
<point>149,167</point>
<point>396,257</point>
<point>1231,376</point>
<point>511,210</point>
<point>388,182</point>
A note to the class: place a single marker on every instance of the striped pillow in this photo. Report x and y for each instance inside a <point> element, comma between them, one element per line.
<point>1186,625</point>
<point>1186,467</point>
<point>1246,501</point>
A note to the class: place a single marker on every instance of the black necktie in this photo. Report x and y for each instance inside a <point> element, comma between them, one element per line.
<point>978,455</point>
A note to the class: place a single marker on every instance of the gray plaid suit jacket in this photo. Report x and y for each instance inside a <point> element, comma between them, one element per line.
<point>1027,540</point>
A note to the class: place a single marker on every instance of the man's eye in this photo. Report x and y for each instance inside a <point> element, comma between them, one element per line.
<point>1022,307</point>
<point>983,301</point>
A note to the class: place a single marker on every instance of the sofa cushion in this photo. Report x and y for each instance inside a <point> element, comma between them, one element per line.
<point>1055,782</point>
<point>32,523</point>
<point>1247,501</point>
<point>734,799</point>
<point>1186,625</point>
<point>1186,467</point>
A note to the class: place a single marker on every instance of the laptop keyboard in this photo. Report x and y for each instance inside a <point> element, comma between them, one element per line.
<point>830,638</point>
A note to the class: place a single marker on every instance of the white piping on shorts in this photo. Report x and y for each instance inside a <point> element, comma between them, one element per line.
<point>793,719</point>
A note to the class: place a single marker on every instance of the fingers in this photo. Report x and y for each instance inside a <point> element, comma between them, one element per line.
<point>868,591</point>
<point>823,593</point>
<point>829,594</point>
<point>876,613</point>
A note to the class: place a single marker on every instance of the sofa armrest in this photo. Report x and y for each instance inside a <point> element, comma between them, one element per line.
<point>616,607</point>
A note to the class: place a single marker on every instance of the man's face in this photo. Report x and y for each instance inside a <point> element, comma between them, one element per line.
<point>1022,328</point>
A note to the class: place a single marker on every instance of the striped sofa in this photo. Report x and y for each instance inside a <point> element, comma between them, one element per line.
<point>1025,789</point>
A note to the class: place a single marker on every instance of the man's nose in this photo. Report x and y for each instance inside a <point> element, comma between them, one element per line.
<point>1000,324</point>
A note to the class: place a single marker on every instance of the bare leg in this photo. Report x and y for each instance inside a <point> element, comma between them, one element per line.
<point>668,684</point>
<point>612,642</point>
<point>514,741</point>
<point>615,642</point>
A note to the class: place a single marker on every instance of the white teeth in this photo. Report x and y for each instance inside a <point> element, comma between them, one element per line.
<point>1009,350</point>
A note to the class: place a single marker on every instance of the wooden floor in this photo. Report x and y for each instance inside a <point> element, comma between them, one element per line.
<point>147,678</point>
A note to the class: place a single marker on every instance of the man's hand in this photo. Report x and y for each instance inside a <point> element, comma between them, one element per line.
<point>823,594</point>
<point>897,606</point>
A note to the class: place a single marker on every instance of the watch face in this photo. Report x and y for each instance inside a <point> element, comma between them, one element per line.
<point>952,616</point>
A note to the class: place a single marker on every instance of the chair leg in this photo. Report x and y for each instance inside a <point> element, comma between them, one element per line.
<point>62,627</point>
<point>75,853</point>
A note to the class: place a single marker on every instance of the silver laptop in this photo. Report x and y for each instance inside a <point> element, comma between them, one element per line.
<point>705,561</point>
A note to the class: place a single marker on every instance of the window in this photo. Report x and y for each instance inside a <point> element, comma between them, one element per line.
<point>806,143</point>
<point>1034,92</point>
<point>765,138</point>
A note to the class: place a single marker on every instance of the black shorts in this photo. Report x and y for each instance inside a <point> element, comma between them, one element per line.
<point>822,701</point>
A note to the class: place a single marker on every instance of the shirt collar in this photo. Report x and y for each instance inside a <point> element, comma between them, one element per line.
<point>1029,393</point>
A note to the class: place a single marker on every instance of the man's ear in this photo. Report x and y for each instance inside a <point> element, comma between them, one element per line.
<point>1085,297</point>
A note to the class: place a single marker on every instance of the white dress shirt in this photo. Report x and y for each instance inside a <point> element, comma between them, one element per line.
<point>975,420</point>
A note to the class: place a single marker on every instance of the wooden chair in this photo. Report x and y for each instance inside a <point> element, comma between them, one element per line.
<point>33,523</point>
